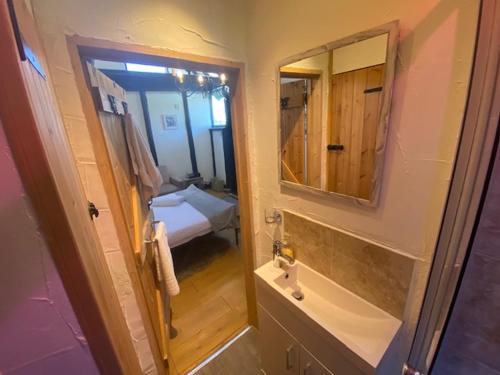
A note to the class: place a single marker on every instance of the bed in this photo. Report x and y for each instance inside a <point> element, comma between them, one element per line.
<point>191,213</point>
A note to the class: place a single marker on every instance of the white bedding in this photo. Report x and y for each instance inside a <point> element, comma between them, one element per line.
<point>183,222</point>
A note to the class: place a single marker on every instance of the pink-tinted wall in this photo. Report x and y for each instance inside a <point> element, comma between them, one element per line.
<point>39,333</point>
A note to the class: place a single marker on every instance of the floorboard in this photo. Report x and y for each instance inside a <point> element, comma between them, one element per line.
<point>211,307</point>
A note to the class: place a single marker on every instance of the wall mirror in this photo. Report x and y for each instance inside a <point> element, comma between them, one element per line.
<point>334,104</point>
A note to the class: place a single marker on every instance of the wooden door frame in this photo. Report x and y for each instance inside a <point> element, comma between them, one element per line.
<point>81,48</point>
<point>292,72</point>
<point>58,199</point>
<point>316,78</point>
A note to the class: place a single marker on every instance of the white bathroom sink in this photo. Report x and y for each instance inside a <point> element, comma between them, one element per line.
<point>363,328</point>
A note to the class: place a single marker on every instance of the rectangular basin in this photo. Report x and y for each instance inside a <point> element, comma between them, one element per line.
<point>350,324</point>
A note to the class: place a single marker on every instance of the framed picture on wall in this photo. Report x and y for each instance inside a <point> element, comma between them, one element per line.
<point>169,122</point>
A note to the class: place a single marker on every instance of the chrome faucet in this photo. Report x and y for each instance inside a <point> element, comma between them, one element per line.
<point>278,254</point>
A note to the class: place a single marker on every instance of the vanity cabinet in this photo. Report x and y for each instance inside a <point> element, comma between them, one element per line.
<point>281,352</point>
<point>328,331</point>
<point>309,365</point>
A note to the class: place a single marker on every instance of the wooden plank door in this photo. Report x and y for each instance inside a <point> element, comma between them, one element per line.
<point>355,108</point>
<point>293,96</point>
<point>134,209</point>
<point>36,135</point>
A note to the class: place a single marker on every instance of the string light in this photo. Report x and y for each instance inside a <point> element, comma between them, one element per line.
<point>201,79</point>
<point>207,82</point>
<point>180,76</point>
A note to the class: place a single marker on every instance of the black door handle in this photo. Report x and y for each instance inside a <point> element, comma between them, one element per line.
<point>93,211</point>
<point>335,147</point>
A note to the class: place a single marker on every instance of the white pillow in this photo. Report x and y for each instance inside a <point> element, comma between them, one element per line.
<point>168,200</point>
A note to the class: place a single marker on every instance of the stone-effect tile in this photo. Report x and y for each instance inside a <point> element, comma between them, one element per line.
<point>312,243</point>
<point>378,275</point>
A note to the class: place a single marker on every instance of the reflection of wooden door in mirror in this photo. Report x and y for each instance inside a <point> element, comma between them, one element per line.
<point>355,103</point>
<point>293,95</point>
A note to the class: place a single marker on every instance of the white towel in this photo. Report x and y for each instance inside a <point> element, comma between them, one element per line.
<point>164,263</point>
<point>168,200</point>
<point>142,160</point>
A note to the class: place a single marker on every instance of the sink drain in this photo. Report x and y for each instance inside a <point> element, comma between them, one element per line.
<point>298,295</point>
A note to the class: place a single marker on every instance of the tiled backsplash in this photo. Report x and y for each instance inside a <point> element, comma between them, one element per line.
<point>374,273</point>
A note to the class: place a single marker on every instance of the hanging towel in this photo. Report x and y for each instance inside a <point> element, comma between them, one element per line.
<point>143,163</point>
<point>164,263</point>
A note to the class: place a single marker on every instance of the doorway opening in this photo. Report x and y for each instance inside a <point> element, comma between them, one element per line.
<point>188,110</point>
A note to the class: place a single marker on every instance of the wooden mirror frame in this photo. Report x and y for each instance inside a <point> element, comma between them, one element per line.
<point>392,29</point>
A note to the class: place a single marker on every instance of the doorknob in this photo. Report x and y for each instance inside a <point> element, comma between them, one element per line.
<point>93,211</point>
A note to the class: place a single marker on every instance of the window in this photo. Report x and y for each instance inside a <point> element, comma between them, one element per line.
<point>219,110</point>
<point>109,65</point>
<point>131,67</point>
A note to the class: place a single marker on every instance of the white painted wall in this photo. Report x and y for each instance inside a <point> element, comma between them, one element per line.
<point>171,144</point>
<point>360,55</point>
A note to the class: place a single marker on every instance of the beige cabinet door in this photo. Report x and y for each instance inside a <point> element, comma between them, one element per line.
<point>280,351</point>
<point>309,365</point>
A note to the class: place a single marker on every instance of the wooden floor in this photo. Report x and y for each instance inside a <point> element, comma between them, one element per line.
<point>241,358</point>
<point>211,307</point>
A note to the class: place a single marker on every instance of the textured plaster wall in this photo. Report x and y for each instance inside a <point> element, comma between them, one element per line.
<point>211,28</point>
<point>169,142</point>
<point>433,69</point>
<point>39,333</point>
